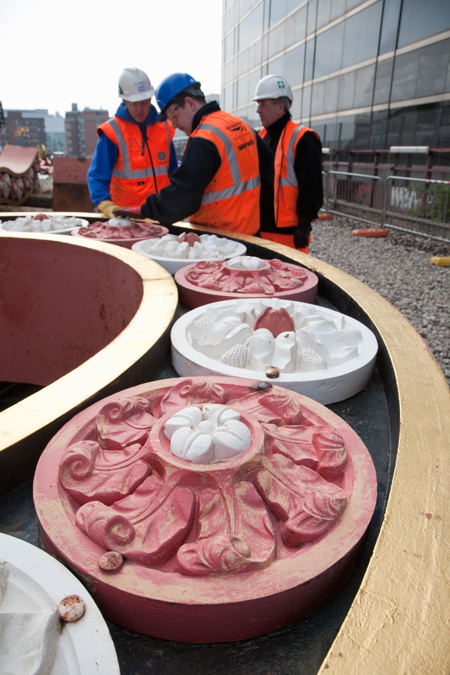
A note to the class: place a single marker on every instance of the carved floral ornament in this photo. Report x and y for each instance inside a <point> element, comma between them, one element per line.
<point>205,478</point>
<point>291,336</point>
<point>248,275</point>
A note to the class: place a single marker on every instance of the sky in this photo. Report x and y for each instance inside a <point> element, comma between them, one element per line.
<point>59,52</point>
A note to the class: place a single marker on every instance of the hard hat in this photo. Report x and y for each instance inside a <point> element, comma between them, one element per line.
<point>134,85</point>
<point>273,86</point>
<point>174,84</point>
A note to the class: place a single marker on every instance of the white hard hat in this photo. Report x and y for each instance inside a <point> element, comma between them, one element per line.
<point>134,85</point>
<point>273,86</point>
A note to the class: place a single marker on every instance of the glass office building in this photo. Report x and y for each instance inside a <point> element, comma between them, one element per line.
<point>365,75</point>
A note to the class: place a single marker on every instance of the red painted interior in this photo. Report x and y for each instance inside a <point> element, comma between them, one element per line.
<point>60,303</point>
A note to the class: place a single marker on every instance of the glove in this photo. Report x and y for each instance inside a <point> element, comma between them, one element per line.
<point>301,235</point>
<point>107,207</point>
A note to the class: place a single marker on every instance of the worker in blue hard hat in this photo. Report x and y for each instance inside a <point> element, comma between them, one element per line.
<point>134,155</point>
<point>225,179</point>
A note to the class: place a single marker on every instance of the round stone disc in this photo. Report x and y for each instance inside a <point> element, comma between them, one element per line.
<point>215,551</point>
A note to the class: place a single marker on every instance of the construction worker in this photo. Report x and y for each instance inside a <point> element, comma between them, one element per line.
<point>225,179</point>
<point>134,155</point>
<point>298,192</point>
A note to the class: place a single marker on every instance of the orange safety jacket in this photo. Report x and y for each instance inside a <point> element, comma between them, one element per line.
<point>142,167</point>
<point>285,181</point>
<point>231,200</point>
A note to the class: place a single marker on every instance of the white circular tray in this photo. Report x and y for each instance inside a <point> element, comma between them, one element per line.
<point>332,382</point>
<point>36,582</point>
<point>58,225</point>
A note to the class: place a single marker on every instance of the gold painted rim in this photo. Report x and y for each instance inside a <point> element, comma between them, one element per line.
<point>398,621</point>
<point>153,317</point>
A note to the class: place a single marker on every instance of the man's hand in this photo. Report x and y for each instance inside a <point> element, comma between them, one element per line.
<point>301,235</point>
<point>128,213</point>
<point>108,208</point>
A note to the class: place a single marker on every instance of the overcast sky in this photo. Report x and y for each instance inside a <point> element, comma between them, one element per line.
<point>59,52</point>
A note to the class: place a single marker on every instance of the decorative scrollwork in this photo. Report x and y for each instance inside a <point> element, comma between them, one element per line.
<point>145,497</point>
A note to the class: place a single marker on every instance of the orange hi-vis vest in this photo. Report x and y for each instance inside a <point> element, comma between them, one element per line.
<point>142,167</point>
<point>231,199</point>
<point>285,181</point>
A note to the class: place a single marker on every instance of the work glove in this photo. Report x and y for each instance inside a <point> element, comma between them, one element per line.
<point>301,235</point>
<point>108,208</point>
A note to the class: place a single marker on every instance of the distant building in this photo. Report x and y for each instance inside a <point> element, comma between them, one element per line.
<point>80,129</point>
<point>25,128</point>
<point>32,127</point>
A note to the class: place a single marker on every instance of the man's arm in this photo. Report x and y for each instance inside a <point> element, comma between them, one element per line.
<point>183,196</point>
<point>308,170</point>
<point>100,170</point>
<point>266,171</point>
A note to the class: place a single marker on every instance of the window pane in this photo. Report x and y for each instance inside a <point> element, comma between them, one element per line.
<point>361,35</point>
<point>323,12</point>
<point>331,94</point>
<point>391,14</point>
<point>347,91</point>
<point>421,19</point>
<point>379,129</point>
<point>346,132</point>
<point>383,81</point>
<point>276,66</point>
<point>317,99</point>
<point>329,50</point>
<point>362,131</point>
<point>427,125</point>
<point>331,135</point>
<point>309,60</point>
<point>364,86</point>
<point>443,139</point>
<point>306,104</point>
<point>300,24</point>
<point>251,27</point>
<point>433,64</point>
<point>311,16</point>
<point>293,65</point>
<point>278,10</point>
<point>405,77</point>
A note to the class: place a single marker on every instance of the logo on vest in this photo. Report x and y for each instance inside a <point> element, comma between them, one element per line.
<point>161,155</point>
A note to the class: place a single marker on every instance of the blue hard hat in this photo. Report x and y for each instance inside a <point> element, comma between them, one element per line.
<point>171,86</point>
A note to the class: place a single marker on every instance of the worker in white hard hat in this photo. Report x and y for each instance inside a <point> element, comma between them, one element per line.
<point>134,155</point>
<point>298,192</point>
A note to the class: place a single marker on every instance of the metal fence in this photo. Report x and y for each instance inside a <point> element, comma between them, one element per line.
<point>414,205</point>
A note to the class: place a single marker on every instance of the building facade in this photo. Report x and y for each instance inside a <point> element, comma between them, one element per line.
<point>35,127</point>
<point>365,74</point>
<point>25,127</point>
<point>81,130</point>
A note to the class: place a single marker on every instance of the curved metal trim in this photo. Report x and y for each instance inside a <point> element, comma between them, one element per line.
<point>398,619</point>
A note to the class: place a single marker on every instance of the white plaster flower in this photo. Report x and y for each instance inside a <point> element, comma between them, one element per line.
<point>207,435</point>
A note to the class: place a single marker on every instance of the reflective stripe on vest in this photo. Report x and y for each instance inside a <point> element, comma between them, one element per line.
<point>239,186</point>
<point>286,187</point>
<point>291,178</point>
<point>133,178</point>
<point>231,200</point>
<point>127,171</point>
